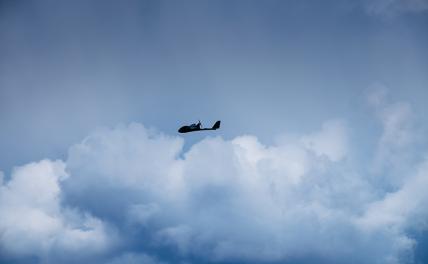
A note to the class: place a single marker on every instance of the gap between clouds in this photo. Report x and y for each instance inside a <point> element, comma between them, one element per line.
<point>127,195</point>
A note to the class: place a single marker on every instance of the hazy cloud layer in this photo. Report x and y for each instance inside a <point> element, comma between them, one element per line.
<point>129,195</point>
<point>391,8</point>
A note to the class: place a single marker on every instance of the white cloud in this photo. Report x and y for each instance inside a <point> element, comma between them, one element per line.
<point>235,199</point>
<point>223,200</point>
<point>34,223</point>
<point>405,209</point>
<point>331,141</point>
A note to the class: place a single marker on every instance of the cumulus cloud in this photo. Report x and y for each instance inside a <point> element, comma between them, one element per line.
<point>331,141</point>
<point>34,223</point>
<point>130,195</point>
<point>397,212</point>
<point>401,208</point>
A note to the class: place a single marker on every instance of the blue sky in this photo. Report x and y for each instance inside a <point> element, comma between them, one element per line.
<point>321,156</point>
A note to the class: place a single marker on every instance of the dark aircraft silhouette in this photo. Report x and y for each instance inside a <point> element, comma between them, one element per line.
<point>198,127</point>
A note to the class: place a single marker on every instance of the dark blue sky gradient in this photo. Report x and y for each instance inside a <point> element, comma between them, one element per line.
<point>68,67</point>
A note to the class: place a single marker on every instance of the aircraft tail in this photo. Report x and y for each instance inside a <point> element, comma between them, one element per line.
<point>216,125</point>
